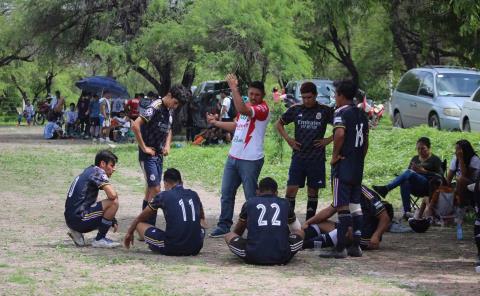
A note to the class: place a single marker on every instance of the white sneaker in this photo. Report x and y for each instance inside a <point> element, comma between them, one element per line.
<point>77,237</point>
<point>105,243</point>
<point>107,140</point>
<point>101,140</point>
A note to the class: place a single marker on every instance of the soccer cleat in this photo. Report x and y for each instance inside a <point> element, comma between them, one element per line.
<point>381,190</point>
<point>105,243</point>
<point>354,251</point>
<point>77,237</point>
<point>218,232</point>
<point>334,253</point>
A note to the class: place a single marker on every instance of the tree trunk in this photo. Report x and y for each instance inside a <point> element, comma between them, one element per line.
<point>22,92</point>
<point>140,70</point>
<point>189,74</point>
<point>49,81</point>
<point>409,57</point>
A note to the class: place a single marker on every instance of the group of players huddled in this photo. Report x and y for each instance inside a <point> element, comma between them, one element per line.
<point>274,232</point>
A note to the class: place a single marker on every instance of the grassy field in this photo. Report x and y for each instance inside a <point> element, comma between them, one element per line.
<point>390,152</point>
<point>37,258</point>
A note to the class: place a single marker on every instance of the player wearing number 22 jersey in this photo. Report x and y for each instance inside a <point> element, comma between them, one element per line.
<point>269,240</point>
<point>183,214</point>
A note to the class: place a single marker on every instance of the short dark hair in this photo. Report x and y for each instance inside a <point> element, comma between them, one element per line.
<point>308,87</point>
<point>105,155</point>
<point>172,175</point>
<point>151,94</point>
<point>95,96</point>
<point>141,95</point>
<point>347,88</point>
<point>72,104</point>
<point>180,93</point>
<point>258,85</point>
<point>57,93</point>
<point>267,184</point>
<point>425,141</point>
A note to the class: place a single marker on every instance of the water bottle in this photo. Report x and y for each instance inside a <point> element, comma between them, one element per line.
<point>459,231</point>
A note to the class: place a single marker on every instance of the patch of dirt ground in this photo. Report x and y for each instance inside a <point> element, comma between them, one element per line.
<point>38,258</point>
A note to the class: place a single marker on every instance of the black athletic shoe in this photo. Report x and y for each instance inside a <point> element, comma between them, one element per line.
<point>354,251</point>
<point>381,190</point>
<point>334,253</point>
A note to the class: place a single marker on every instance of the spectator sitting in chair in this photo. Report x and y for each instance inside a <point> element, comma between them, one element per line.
<point>415,180</point>
<point>465,167</point>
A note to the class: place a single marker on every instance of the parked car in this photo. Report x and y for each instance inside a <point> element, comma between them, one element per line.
<point>470,117</point>
<point>205,99</point>
<point>325,90</point>
<point>432,95</point>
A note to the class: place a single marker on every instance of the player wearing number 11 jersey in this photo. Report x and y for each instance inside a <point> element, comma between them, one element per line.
<point>266,218</point>
<point>183,211</point>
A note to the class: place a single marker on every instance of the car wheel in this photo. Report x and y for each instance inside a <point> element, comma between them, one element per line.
<point>397,120</point>
<point>466,125</point>
<point>434,121</point>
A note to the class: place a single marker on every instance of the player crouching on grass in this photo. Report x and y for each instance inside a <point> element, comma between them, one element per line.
<point>184,217</point>
<point>82,211</point>
<point>265,217</point>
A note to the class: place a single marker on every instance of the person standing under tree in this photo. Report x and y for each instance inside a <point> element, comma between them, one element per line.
<point>245,159</point>
<point>350,146</point>
<point>308,146</point>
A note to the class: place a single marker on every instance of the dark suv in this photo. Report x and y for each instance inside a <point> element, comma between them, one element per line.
<point>205,99</point>
<point>325,90</point>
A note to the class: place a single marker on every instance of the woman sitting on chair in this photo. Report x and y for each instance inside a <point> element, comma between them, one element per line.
<point>415,180</point>
<point>465,167</point>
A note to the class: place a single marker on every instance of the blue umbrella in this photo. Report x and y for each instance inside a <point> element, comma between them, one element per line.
<point>100,84</point>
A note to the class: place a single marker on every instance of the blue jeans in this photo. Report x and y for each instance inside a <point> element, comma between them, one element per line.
<point>410,182</point>
<point>236,172</point>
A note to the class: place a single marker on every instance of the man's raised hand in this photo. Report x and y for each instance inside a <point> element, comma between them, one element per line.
<point>232,81</point>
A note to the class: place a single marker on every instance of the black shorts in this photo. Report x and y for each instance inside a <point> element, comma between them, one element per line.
<point>152,167</point>
<point>313,170</point>
<point>94,121</point>
<point>155,239</point>
<point>89,220</point>
<point>344,194</point>
<point>238,246</point>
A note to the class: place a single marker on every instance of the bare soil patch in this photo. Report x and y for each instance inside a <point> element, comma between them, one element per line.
<point>37,258</point>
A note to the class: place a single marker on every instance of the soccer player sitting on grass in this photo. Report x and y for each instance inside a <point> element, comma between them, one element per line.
<point>266,218</point>
<point>183,211</point>
<point>377,216</point>
<point>82,211</point>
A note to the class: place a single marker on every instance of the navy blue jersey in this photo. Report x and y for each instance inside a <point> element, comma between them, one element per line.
<point>372,207</point>
<point>267,225</point>
<point>84,190</point>
<point>181,208</point>
<point>310,125</point>
<point>158,120</point>
<point>355,123</point>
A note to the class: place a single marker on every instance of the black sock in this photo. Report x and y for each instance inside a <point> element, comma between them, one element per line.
<point>328,241</point>
<point>291,212</point>
<point>357,228</point>
<point>344,222</point>
<point>103,228</point>
<point>312,231</point>
<point>321,241</point>
<point>153,218</point>
<point>311,206</point>
<point>476,232</point>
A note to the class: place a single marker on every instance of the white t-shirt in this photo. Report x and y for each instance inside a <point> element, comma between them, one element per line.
<point>247,142</point>
<point>226,103</point>
<point>107,104</point>
<point>474,166</point>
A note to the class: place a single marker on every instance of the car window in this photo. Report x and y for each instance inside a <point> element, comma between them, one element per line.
<point>221,85</point>
<point>476,98</point>
<point>288,88</point>
<point>197,90</point>
<point>209,87</point>
<point>325,89</point>
<point>426,87</point>
<point>457,84</point>
<point>409,83</point>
